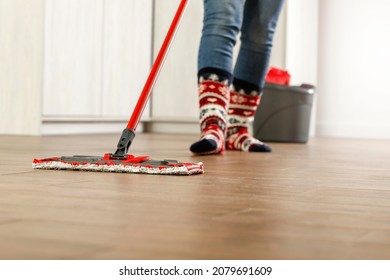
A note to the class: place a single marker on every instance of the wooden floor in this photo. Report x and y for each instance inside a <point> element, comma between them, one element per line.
<point>328,199</point>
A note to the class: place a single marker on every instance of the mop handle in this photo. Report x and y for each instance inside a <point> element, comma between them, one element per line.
<point>157,65</point>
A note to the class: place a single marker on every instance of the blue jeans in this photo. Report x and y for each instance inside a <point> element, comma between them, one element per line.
<point>223,20</point>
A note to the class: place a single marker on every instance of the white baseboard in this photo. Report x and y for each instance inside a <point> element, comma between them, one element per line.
<point>171,125</point>
<point>83,125</point>
<point>353,130</point>
<point>61,126</point>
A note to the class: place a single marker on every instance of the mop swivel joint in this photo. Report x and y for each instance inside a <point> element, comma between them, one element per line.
<point>124,144</point>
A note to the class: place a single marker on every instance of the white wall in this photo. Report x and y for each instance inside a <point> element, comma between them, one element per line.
<point>301,46</point>
<point>354,61</point>
<point>301,42</point>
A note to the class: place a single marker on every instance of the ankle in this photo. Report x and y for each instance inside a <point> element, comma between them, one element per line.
<point>212,141</point>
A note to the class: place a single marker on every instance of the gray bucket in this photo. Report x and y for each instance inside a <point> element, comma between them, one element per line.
<point>284,113</point>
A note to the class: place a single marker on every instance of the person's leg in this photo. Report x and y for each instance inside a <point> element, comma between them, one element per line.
<point>258,28</point>
<point>257,32</point>
<point>221,24</point>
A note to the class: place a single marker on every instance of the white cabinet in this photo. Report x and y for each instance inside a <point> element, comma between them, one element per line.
<point>21,51</point>
<point>73,58</point>
<point>175,98</point>
<point>97,56</point>
<point>127,53</point>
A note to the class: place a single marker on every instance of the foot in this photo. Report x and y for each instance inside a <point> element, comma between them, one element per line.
<point>212,141</point>
<point>241,113</point>
<point>243,141</point>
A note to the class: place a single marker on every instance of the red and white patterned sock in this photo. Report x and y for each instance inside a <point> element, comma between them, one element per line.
<point>213,102</point>
<point>242,109</point>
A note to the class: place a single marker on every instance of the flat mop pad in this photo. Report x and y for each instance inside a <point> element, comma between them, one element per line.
<point>132,164</point>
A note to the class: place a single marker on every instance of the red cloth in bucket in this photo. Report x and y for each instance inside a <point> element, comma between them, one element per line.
<point>278,76</point>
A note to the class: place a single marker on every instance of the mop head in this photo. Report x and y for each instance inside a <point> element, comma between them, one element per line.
<point>132,164</point>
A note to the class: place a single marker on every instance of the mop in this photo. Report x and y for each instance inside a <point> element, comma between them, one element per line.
<point>120,160</point>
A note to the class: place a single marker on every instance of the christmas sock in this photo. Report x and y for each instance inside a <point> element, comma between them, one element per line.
<point>213,102</point>
<point>242,109</point>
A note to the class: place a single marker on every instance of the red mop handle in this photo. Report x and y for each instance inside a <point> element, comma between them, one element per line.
<point>145,94</point>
